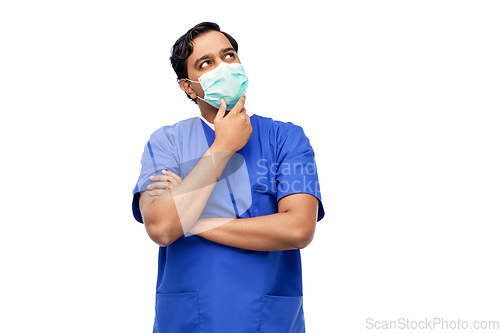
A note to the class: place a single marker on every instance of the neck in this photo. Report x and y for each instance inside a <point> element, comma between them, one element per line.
<point>207,111</point>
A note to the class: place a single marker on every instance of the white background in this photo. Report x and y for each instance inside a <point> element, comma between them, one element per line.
<point>400,100</point>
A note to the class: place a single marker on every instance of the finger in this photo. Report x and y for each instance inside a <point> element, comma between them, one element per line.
<point>157,192</point>
<point>174,178</point>
<point>158,178</point>
<point>159,185</point>
<point>173,182</point>
<point>240,105</point>
<point>222,110</point>
<point>168,175</point>
<point>164,177</point>
<point>153,194</point>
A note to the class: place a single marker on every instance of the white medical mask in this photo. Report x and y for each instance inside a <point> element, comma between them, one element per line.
<point>227,81</point>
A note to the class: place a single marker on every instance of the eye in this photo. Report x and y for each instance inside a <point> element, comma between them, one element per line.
<point>205,64</point>
<point>228,56</point>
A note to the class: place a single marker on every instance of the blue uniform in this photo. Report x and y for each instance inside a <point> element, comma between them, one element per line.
<point>205,286</point>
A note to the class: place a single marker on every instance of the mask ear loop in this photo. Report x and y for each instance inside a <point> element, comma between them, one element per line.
<point>193,82</point>
<point>199,96</point>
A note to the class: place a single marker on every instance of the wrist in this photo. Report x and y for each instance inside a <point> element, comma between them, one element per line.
<point>218,147</point>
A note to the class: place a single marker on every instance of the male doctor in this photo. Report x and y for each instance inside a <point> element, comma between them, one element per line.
<point>230,198</point>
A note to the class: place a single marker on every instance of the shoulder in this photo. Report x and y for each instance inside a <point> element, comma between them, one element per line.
<point>170,132</point>
<point>280,128</point>
<point>279,133</point>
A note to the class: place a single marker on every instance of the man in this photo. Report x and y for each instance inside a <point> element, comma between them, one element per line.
<point>231,198</point>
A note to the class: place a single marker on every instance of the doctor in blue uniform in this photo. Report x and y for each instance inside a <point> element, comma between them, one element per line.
<point>231,198</point>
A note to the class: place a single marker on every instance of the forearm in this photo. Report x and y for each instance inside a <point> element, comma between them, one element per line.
<point>168,215</point>
<point>177,210</point>
<point>276,232</point>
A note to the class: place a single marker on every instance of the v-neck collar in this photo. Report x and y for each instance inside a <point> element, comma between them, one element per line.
<point>212,125</point>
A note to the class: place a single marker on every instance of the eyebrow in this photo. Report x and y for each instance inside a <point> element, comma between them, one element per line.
<point>207,56</point>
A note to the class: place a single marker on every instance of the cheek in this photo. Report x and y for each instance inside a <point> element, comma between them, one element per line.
<point>198,90</point>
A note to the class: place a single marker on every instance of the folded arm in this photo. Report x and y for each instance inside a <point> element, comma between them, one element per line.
<point>291,228</point>
<point>169,215</point>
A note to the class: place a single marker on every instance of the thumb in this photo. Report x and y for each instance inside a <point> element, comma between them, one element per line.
<point>222,110</point>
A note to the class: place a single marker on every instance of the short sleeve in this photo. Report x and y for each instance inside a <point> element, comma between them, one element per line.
<point>159,154</point>
<point>296,167</point>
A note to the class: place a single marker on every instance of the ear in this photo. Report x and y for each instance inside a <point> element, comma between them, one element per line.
<point>185,85</point>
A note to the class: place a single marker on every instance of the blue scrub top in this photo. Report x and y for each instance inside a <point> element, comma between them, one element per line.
<point>205,286</point>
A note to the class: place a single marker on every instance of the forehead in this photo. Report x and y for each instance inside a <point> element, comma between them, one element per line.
<point>209,43</point>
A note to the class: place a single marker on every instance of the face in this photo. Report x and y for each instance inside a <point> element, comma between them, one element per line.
<point>209,51</point>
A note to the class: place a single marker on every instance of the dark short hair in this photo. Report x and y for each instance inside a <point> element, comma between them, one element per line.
<point>183,47</point>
